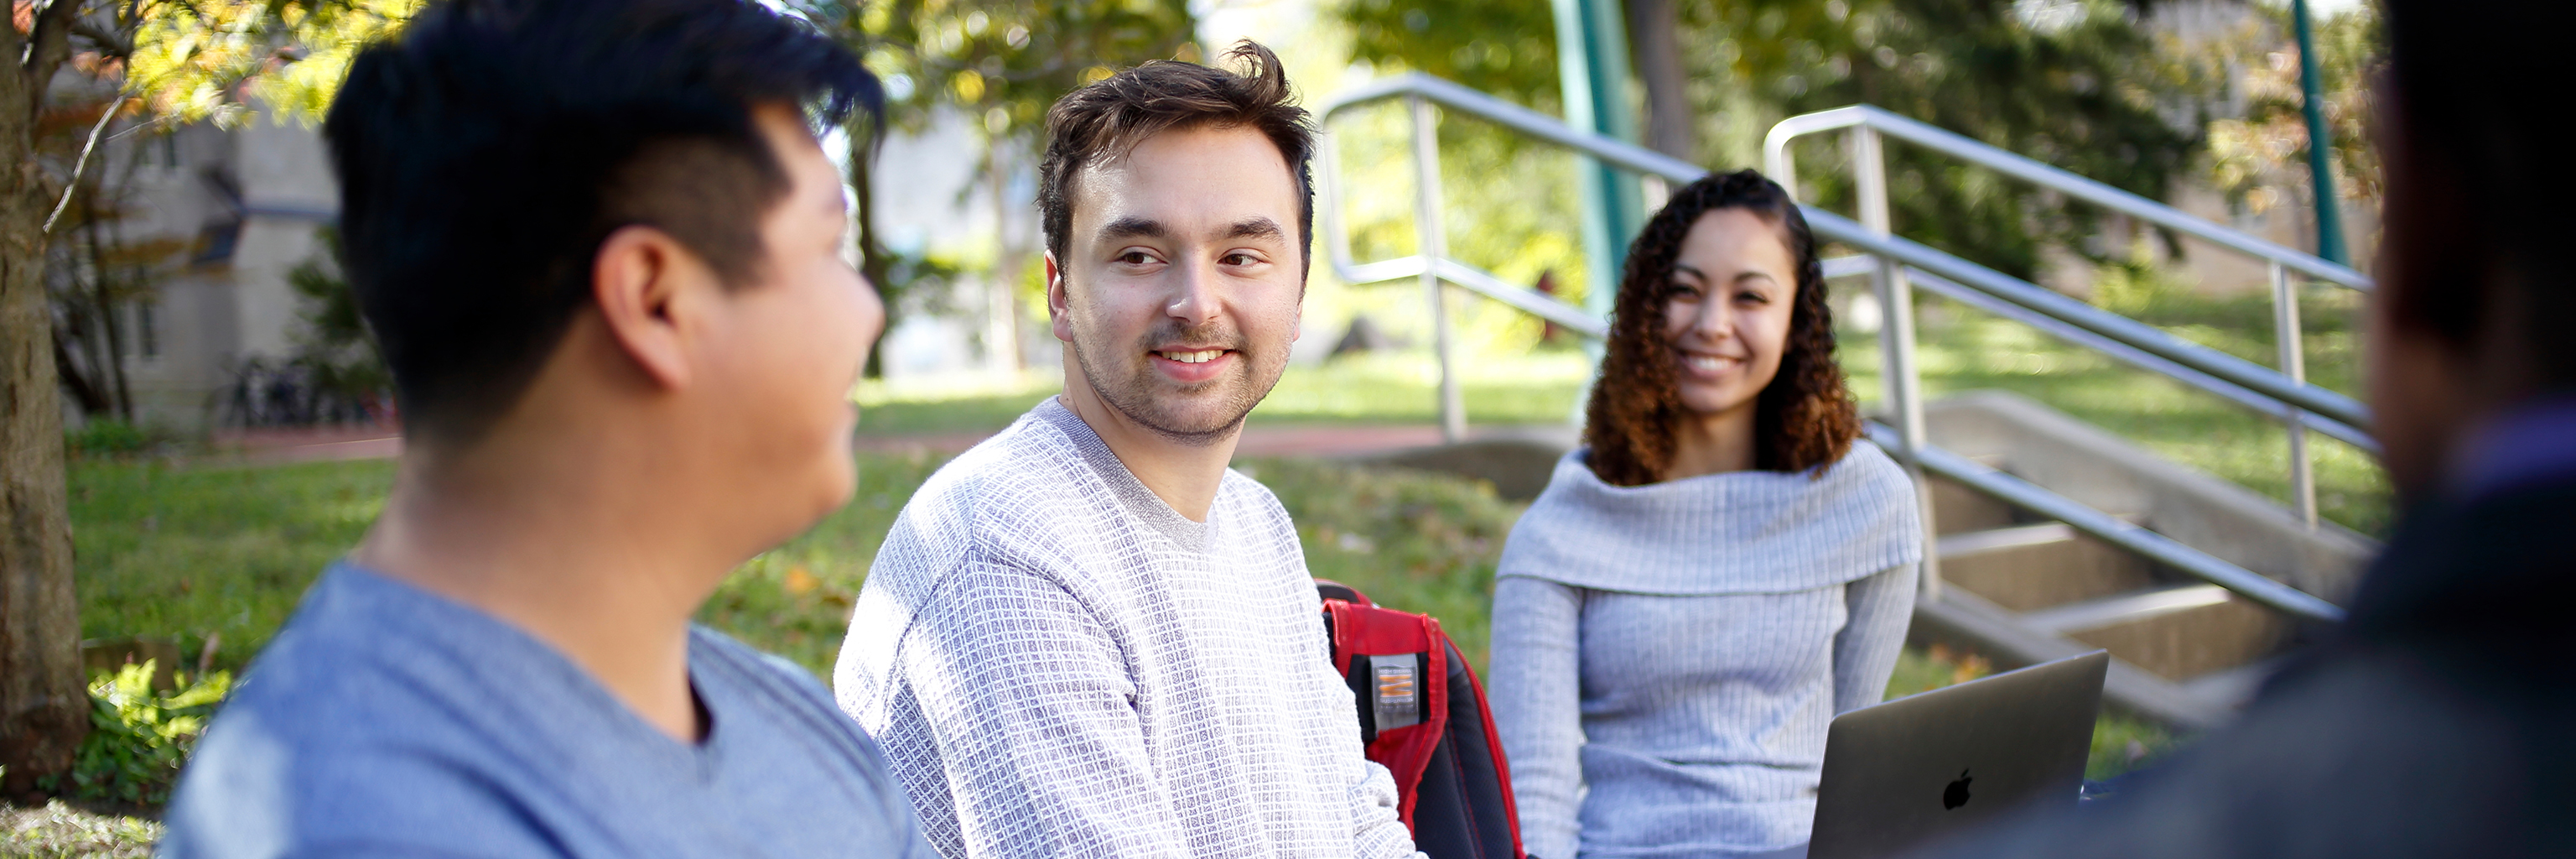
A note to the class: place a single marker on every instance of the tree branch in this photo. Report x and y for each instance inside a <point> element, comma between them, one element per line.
<point>76,377</point>
<point>72,186</point>
<point>110,42</point>
<point>49,44</point>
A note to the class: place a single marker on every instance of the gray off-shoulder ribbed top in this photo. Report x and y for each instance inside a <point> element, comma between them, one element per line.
<point>1666,658</point>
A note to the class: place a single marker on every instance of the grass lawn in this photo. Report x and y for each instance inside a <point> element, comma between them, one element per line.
<point>1386,388</point>
<point>184,553</point>
<point>181,553</point>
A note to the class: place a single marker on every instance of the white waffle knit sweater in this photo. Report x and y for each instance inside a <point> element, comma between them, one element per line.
<point>1057,664</point>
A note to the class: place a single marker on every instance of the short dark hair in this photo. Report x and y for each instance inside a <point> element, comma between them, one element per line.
<point>1803,419</point>
<point>486,151</point>
<point>1105,120</point>
<point>2503,152</point>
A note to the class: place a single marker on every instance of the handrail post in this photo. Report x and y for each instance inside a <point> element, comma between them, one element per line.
<point>2294,364</point>
<point>1328,196</point>
<point>1903,389</point>
<point>1776,164</point>
<point>1431,241</point>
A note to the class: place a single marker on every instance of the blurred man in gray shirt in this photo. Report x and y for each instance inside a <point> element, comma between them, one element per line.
<point>601,249</point>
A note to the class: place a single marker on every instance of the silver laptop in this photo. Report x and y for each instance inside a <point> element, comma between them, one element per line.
<point>1903,772</point>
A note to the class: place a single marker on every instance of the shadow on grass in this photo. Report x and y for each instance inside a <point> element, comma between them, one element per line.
<point>175,552</point>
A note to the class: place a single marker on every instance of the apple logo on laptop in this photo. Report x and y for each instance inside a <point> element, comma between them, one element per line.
<point>1957,793</point>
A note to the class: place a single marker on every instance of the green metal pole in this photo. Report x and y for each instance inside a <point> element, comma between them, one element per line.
<point>1592,63</point>
<point>2320,140</point>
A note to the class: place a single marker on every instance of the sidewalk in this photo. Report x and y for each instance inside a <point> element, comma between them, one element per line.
<point>314,444</point>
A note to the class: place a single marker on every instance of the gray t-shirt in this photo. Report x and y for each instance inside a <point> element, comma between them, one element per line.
<point>388,721</point>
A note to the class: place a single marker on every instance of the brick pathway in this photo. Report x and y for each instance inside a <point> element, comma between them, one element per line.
<point>315,444</point>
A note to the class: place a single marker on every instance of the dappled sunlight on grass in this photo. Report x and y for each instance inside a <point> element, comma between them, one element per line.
<point>795,600</point>
<point>180,553</point>
<point>1412,541</point>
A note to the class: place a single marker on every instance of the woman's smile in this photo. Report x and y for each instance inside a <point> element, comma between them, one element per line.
<point>1708,365</point>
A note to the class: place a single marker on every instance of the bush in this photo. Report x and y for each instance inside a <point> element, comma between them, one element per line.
<point>139,739</point>
<point>105,437</point>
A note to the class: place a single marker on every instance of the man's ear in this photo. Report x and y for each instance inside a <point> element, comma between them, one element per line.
<point>1059,308</point>
<point>642,282</point>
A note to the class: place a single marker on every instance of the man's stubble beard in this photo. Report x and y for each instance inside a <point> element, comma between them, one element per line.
<point>1135,395</point>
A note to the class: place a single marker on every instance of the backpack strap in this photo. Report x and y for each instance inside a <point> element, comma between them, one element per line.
<point>1333,590</point>
<point>1378,632</point>
<point>1502,765</point>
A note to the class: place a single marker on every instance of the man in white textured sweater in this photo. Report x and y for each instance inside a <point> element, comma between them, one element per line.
<point>1088,636</point>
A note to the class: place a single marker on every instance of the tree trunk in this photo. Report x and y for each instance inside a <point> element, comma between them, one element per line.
<point>111,319</point>
<point>43,710</point>
<point>1654,40</point>
<point>85,393</point>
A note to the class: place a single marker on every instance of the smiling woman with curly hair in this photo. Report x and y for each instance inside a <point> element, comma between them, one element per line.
<point>1718,571</point>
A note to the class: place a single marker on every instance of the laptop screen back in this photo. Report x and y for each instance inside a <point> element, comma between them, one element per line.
<point>1905,771</point>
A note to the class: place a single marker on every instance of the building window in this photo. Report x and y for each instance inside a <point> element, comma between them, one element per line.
<point>147,331</point>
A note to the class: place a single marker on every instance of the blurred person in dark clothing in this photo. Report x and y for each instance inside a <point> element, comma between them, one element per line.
<point>2440,719</point>
<point>602,249</point>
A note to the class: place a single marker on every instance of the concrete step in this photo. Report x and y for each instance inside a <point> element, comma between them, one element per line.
<point>2123,609</point>
<point>2059,583</point>
<point>2033,567</point>
<point>2106,472</point>
<point>1956,509</point>
<point>2019,591</point>
<point>2178,633</point>
<point>1963,621</point>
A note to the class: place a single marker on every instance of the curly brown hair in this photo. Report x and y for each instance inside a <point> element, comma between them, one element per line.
<point>1804,419</point>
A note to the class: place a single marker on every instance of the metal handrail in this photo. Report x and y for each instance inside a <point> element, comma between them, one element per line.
<point>2238,380</point>
<point>1827,226</point>
<point>1860,266</point>
<point>1481,282</point>
<point>1457,96</point>
<point>1865,125</point>
<point>1775,162</point>
<point>2140,358</point>
<point>2110,529</point>
<point>2256,377</point>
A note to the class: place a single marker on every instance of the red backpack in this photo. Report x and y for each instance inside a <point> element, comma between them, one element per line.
<point>1422,714</point>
